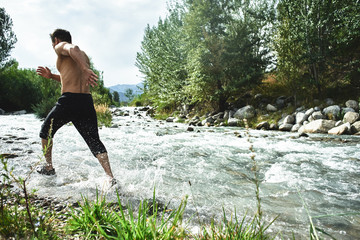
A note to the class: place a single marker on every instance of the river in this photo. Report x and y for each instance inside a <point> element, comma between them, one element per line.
<point>212,165</point>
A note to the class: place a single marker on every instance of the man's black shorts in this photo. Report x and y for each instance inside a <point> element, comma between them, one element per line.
<point>77,108</point>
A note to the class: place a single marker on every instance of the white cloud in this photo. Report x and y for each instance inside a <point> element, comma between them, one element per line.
<point>110,31</point>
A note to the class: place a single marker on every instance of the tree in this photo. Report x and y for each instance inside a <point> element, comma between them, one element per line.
<point>116,96</point>
<point>129,94</point>
<point>7,37</point>
<point>227,51</point>
<point>162,61</point>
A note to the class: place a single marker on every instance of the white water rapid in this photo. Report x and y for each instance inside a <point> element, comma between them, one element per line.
<point>144,153</point>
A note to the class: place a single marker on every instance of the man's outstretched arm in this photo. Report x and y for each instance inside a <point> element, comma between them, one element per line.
<point>46,73</point>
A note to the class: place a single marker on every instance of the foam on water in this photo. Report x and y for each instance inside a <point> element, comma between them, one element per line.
<point>212,166</point>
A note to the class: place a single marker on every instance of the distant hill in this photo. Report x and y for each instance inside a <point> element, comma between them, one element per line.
<point>121,89</point>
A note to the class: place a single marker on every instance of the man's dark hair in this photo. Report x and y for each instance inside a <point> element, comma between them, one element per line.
<point>62,35</point>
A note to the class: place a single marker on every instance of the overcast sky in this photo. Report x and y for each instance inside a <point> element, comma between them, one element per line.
<point>109,31</point>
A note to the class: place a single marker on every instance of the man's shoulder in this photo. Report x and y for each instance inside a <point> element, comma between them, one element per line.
<point>61,48</point>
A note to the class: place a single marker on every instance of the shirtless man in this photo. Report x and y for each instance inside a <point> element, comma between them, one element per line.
<point>75,104</point>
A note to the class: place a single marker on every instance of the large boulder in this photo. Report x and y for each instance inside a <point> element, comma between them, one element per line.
<point>247,112</point>
<point>318,126</point>
<point>340,130</point>
<point>351,117</point>
<point>352,104</point>
<point>332,112</point>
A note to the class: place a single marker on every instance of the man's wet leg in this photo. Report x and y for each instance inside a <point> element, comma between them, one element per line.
<point>104,161</point>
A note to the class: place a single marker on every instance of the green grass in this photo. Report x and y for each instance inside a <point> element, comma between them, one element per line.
<point>95,220</point>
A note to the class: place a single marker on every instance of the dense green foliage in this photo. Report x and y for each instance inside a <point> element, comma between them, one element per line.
<point>318,44</point>
<point>209,53</point>
<point>19,88</point>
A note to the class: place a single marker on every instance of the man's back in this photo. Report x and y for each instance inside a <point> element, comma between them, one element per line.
<point>72,79</point>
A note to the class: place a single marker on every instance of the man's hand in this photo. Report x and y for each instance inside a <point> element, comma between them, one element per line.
<point>44,72</point>
<point>90,77</point>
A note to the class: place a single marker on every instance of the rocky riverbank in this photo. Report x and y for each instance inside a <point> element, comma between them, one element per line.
<point>328,118</point>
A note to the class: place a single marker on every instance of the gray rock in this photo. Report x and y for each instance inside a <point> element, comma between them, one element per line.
<point>190,129</point>
<point>338,123</point>
<point>208,121</point>
<point>300,109</point>
<point>273,126</point>
<point>351,117</point>
<point>263,125</point>
<point>340,130</point>
<point>231,113</point>
<point>332,112</point>
<point>285,127</point>
<point>227,115</point>
<point>233,122</point>
<point>117,112</point>
<point>21,112</point>
<point>345,110</point>
<point>317,126</point>
<point>271,108</point>
<point>219,121</point>
<point>310,119</point>
<point>301,117</point>
<point>352,104</point>
<point>355,127</point>
<point>295,128</point>
<point>289,119</point>
<point>317,115</point>
<point>219,115</point>
<point>305,122</point>
<point>317,109</point>
<point>247,112</point>
<point>2,112</point>
<point>170,119</point>
<point>309,111</point>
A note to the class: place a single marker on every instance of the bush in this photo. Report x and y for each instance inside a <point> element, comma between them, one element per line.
<point>18,88</point>
<point>103,115</point>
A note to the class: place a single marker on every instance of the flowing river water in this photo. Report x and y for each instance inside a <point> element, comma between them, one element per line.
<point>212,166</point>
